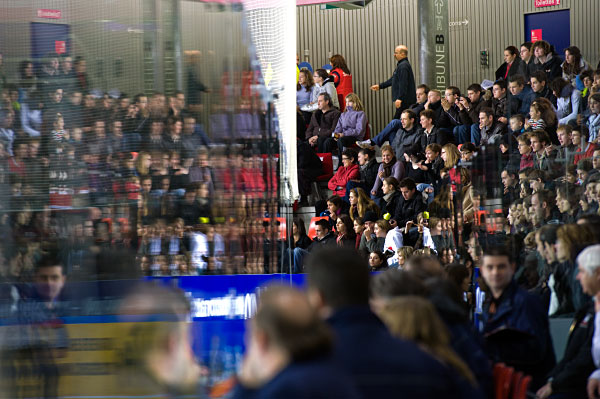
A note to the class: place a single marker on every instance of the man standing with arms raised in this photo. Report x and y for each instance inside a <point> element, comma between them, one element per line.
<point>402,82</point>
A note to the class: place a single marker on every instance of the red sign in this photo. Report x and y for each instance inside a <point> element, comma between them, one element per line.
<point>60,46</point>
<point>546,3</point>
<point>50,14</point>
<point>536,34</point>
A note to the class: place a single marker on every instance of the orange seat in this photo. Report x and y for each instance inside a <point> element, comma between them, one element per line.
<point>311,228</point>
<point>502,380</point>
<point>520,391</point>
<point>514,383</point>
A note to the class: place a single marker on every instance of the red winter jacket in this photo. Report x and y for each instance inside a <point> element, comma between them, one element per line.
<point>341,177</point>
<point>343,85</point>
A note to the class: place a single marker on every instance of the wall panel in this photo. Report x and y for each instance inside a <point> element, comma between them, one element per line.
<point>368,46</point>
<point>366,38</point>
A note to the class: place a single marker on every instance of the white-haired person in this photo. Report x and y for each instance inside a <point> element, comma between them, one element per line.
<point>588,274</point>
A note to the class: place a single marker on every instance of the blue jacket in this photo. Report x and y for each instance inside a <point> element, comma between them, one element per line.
<point>403,83</point>
<point>302,380</point>
<point>518,333</point>
<point>520,103</point>
<point>383,366</point>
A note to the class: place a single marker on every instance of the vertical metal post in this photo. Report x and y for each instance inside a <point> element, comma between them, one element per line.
<point>434,43</point>
<point>159,48</point>
<point>177,44</point>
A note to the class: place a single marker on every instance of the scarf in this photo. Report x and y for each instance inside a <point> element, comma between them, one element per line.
<point>387,167</point>
<point>388,196</point>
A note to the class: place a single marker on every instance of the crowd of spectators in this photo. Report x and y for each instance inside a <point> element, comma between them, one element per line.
<point>88,172</point>
<point>514,163</point>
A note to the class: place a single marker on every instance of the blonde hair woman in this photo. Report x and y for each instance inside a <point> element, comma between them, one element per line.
<point>143,163</point>
<point>402,254</point>
<point>415,319</point>
<point>451,156</point>
<point>360,203</point>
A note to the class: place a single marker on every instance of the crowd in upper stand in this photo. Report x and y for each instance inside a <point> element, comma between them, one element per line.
<point>460,172</point>
<point>91,171</point>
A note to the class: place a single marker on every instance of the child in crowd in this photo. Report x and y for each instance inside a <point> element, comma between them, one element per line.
<point>517,124</point>
<point>535,121</point>
<point>59,134</point>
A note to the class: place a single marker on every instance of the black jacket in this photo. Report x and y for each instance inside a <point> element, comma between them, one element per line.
<point>547,93</point>
<point>500,107</point>
<point>552,67</point>
<point>405,140</point>
<point>435,136</point>
<point>449,119</point>
<point>492,134</point>
<point>385,367</point>
<point>569,376</point>
<point>368,173</point>
<point>390,206</point>
<point>308,160</point>
<point>323,124</point>
<point>409,209</point>
<point>518,333</point>
<point>329,239</point>
<point>514,69</point>
<point>472,115</point>
<point>403,83</point>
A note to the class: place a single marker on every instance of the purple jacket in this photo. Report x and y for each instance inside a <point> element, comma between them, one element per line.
<point>397,172</point>
<point>352,123</point>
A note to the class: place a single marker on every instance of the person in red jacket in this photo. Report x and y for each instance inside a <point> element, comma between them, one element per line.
<point>526,151</point>
<point>342,78</point>
<point>583,148</point>
<point>348,171</point>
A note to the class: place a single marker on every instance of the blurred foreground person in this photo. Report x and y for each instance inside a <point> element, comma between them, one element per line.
<point>39,337</point>
<point>288,352</point>
<point>381,366</point>
<point>415,319</point>
<point>158,358</point>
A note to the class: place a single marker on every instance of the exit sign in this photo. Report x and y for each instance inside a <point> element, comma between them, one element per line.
<point>546,3</point>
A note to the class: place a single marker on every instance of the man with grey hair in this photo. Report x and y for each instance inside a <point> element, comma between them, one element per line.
<point>588,274</point>
<point>568,378</point>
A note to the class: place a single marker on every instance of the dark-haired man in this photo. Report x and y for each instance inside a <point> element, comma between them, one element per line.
<point>323,123</point>
<point>540,88</point>
<point>514,322</point>
<point>409,205</point>
<point>324,237</point>
<point>491,131</point>
<point>407,136</point>
<point>521,96</point>
<point>288,353</point>
<point>43,335</point>
<point>469,112</point>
